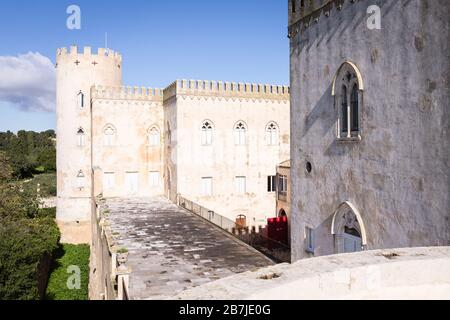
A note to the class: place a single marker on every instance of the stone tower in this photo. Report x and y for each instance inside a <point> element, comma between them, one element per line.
<point>76,73</point>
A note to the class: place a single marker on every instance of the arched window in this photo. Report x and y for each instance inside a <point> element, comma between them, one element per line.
<point>154,137</point>
<point>344,111</point>
<point>354,106</point>
<point>80,137</point>
<point>109,134</point>
<point>207,133</point>
<point>81,180</point>
<point>272,134</point>
<point>348,229</point>
<point>348,90</point>
<point>240,133</point>
<point>80,99</point>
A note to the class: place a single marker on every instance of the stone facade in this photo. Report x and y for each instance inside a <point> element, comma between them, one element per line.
<point>369,125</point>
<point>188,106</point>
<point>213,142</point>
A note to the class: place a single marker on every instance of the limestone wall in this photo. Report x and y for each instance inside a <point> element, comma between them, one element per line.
<point>397,176</point>
<point>132,113</point>
<point>223,105</point>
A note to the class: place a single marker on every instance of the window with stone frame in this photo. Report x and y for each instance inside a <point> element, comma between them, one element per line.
<point>271,183</point>
<point>154,137</point>
<point>272,134</point>
<point>81,137</point>
<point>240,185</point>
<point>109,135</point>
<point>81,180</point>
<point>348,95</point>
<point>207,133</point>
<point>240,133</point>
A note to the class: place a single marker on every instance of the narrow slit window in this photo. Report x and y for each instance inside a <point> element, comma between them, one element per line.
<point>81,138</point>
<point>80,99</point>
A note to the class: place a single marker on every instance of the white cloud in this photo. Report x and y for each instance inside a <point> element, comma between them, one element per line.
<point>28,81</point>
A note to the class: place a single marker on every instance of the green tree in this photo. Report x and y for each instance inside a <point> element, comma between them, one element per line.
<point>5,168</point>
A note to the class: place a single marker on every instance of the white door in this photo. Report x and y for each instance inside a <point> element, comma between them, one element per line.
<point>352,243</point>
<point>132,183</point>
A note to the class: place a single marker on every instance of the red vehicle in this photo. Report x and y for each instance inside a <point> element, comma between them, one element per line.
<point>277,229</point>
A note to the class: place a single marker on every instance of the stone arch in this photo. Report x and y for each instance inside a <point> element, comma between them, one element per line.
<point>348,65</point>
<point>282,213</point>
<point>240,129</point>
<point>109,135</point>
<point>348,216</point>
<point>272,133</point>
<point>153,135</point>
<point>207,128</point>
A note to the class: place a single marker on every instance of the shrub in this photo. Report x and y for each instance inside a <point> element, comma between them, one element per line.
<point>69,255</point>
<point>17,203</point>
<point>26,245</point>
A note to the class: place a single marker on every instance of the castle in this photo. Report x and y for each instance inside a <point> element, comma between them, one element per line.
<point>215,143</point>
<point>365,126</point>
<point>370,125</point>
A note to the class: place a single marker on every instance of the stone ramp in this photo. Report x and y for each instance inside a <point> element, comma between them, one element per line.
<point>172,250</point>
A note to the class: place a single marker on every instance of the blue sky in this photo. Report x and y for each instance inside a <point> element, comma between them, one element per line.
<point>160,40</point>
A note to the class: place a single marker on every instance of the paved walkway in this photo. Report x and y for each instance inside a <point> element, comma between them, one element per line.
<point>172,250</point>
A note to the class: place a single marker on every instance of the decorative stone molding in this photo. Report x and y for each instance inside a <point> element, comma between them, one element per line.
<point>313,11</point>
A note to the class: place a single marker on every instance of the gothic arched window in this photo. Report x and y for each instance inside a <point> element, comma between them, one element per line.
<point>240,133</point>
<point>154,137</point>
<point>207,133</point>
<point>80,137</point>
<point>344,110</point>
<point>272,134</point>
<point>354,106</point>
<point>109,134</point>
<point>348,90</point>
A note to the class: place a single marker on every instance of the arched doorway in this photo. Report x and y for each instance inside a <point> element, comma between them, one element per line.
<point>282,213</point>
<point>348,229</point>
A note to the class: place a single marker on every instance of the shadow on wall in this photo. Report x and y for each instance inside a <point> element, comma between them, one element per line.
<point>323,111</point>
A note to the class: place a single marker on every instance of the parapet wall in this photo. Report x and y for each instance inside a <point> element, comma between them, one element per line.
<point>127,93</point>
<point>226,90</point>
<point>88,53</point>
<point>412,273</point>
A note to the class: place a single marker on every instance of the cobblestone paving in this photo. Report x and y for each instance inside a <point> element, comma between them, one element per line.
<point>172,250</point>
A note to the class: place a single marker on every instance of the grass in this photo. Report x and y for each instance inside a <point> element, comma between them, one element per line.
<point>62,274</point>
<point>47,183</point>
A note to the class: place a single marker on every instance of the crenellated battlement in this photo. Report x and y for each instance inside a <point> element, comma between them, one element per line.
<point>226,90</point>
<point>88,53</point>
<point>127,93</point>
